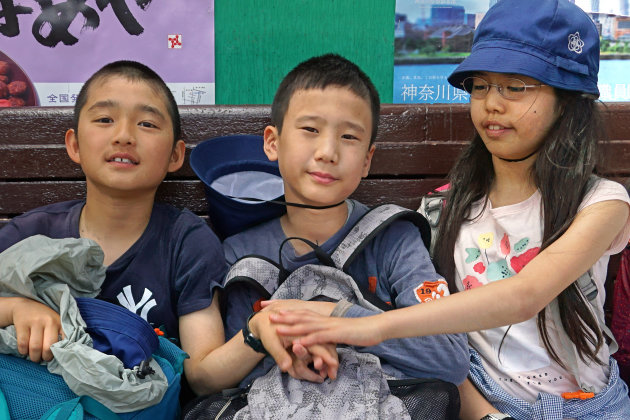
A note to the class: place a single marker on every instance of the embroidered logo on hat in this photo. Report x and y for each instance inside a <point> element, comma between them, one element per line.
<point>575,43</point>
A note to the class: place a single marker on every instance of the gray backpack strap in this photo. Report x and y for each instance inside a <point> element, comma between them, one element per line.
<point>371,224</point>
<point>588,288</point>
<point>314,281</point>
<point>255,270</point>
<point>431,207</point>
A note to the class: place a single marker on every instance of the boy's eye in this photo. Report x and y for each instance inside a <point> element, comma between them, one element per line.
<point>349,137</point>
<point>104,120</point>
<point>310,129</point>
<point>147,124</point>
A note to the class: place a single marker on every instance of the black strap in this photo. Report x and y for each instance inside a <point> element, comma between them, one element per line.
<point>326,260</point>
<point>321,255</point>
<point>287,203</point>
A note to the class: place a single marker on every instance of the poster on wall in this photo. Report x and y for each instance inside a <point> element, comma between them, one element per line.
<point>433,36</point>
<point>48,48</point>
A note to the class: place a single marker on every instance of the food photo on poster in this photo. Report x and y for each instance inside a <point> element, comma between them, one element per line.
<point>16,89</point>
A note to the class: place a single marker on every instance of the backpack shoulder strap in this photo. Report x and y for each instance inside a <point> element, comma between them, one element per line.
<point>257,271</point>
<point>372,223</point>
<point>431,207</point>
<point>76,408</point>
<point>588,288</point>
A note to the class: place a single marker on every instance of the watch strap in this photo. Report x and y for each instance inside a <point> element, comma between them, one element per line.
<point>249,338</point>
<point>497,416</point>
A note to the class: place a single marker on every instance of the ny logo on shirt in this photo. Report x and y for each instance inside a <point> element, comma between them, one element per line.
<point>125,298</point>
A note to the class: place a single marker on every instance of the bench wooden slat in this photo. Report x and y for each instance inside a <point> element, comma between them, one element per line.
<point>25,162</point>
<point>19,197</point>
<point>37,162</point>
<point>399,122</point>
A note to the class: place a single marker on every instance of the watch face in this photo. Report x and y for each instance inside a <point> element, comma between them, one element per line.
<point>252,341</point>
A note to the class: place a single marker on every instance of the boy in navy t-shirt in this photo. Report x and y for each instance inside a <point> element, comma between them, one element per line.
<point>162,263</point>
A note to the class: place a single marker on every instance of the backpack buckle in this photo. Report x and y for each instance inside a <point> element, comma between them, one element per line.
<point>144,369</point>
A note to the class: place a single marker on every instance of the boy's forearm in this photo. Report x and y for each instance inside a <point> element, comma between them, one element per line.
<point>225,367</point>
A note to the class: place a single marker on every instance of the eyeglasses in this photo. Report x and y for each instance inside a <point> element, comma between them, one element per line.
<point>512,89</point>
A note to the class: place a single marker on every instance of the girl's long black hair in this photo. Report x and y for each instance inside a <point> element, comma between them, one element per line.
<point>563,174</point>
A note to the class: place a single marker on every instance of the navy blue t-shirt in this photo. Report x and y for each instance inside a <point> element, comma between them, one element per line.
<point>170,271</point>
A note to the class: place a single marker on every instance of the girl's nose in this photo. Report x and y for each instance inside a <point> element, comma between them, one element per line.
<point>494,101</point>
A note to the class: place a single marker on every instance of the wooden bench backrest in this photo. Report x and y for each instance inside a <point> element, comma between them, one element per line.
<point>416,146</point>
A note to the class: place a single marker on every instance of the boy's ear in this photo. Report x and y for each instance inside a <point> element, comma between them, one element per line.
<point>368,161</point>
<point>72,146</point>
<point>270,137</point>
<point>177,156</point>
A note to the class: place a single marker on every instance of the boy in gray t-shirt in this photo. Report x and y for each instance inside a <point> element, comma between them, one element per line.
<point>324,121</point>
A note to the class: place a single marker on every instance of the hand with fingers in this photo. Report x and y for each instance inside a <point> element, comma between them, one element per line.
<point>323,357</point>
<point>312,328</point>
<point>37,328</point>
<point>295,360</point>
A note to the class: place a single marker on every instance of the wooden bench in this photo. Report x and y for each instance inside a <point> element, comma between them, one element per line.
<point>416,146</point>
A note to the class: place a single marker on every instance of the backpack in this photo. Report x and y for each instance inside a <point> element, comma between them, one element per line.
<point>28,391</point>
<point>620,323</point>
<point>431,206</point>
<point>109,352</point>
<point>271,393</point>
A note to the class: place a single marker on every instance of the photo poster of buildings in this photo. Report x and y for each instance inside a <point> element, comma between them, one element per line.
<point>433,36</point>
<point>53,47</point>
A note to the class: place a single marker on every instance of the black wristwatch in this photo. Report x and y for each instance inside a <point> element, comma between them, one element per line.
<point>250,339</point>
<point>497,416</point>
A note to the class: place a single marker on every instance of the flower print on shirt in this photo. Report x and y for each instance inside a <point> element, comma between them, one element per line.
<point>499,270</point>
<point>485,240</point>
<point>470,282</point>
<point>472,254</point>
<point>519,261</point>
<point>502,268</point>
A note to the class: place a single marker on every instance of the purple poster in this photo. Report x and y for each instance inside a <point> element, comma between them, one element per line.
<point>53,46</point>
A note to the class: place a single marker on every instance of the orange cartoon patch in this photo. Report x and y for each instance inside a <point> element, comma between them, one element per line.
<point>431,290</point>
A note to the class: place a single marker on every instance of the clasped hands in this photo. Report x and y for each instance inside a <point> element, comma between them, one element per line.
<point>314,363</point>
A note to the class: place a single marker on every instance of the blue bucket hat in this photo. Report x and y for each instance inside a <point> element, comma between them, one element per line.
<point>553,41</point>
<point>232,167</point>
<point>118,331</point>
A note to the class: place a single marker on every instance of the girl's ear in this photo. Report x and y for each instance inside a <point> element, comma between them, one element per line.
<point>270,137</point>
<point>177,156</point>
<point>72,146</point>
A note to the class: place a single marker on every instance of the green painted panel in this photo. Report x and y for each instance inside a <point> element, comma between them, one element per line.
<point>258,41</point>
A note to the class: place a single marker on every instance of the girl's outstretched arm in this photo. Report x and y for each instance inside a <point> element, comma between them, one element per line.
<point>500,303</point>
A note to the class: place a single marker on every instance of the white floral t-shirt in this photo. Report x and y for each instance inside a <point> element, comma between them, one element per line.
<point>497,245</point>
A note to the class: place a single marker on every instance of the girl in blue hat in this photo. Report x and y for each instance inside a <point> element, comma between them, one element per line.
<point>526,231</point>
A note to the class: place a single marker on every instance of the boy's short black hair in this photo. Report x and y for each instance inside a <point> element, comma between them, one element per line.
<point>133,71</point>
<point>319,73</point>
